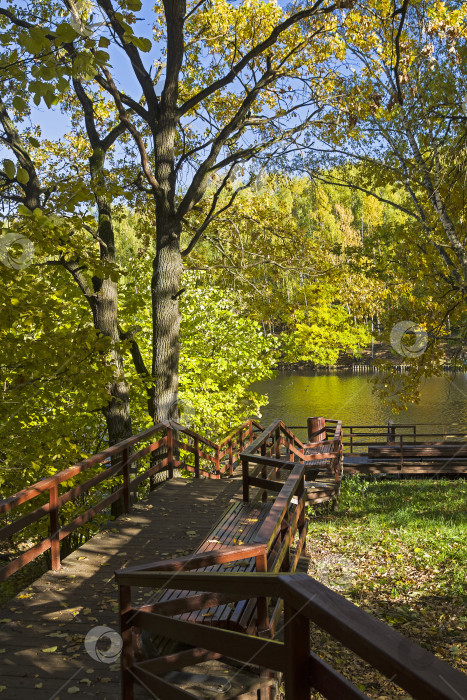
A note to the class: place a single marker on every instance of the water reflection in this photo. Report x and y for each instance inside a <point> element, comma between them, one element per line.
<point>348,396</point>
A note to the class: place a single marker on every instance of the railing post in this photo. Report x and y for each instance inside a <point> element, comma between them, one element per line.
<point>54,528</point>
<point>401,437</point>
<point>351,439</point>
<point>250,431</point>
<point>262,620</point>
<point>170,452</point>
<point>391,431</point>
<point>313,425</point>
<point>297,653</point>
<point>126,481</point>
<point>218,463</point>
<point>278,443</point>
<point>301,523</point>
<point>285,526</point>
<point>264,474</point>
<point>126,633</point>
<point>231,457</point>
<point>245,479</point>
<point>196,447</point>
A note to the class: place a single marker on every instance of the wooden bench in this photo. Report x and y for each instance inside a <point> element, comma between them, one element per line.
<point>238,526</point>
<point>249,537</point>
<point>447,450</point>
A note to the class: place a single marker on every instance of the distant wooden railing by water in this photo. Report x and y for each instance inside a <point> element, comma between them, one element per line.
<point>396,447</point>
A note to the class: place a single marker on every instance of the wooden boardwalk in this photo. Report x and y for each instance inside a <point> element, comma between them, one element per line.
<point>42,630</point>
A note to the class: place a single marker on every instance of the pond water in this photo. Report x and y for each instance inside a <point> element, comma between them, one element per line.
<point>295,395</point>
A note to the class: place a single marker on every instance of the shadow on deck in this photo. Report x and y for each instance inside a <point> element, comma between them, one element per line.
<point>43,629</point>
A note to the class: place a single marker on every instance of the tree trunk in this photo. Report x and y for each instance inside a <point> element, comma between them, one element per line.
<point>117,411</point>
<point>105,316</point>
<point>165,287</point>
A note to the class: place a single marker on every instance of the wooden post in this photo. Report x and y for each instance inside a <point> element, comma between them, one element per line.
<point>218,463</point>
<point>245,479</point>
<point>126,633</point>
<point>196,446</point>
<point>278,443</point>
<point>285,526</point>
<point>313,425</point>
<point>301,523</point>
<point>54,528</point>
<point>231,457</point>
<point>391,431</point>
<point>297,652</point>
<point>264,474</point>
<point>170,452</point>
<point>402,451</point>
<point>250,431</point>
<point>126,481</point>
<point>351,439</point>
<point>262,620</point>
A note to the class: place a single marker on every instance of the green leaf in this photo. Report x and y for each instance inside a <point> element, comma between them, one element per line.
<point>65,32</point>
<point>142,43</point>
<point>134,5</point>
<point>19,103</point>
<point>101,57</point>
<point>9,168</point>
<point>22,176</point>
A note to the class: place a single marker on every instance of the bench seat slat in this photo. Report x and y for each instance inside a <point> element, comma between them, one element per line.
<point>247,517</point>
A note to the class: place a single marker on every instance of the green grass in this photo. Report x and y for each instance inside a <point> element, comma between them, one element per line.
<point>404,529</point>
<point>397,548</point>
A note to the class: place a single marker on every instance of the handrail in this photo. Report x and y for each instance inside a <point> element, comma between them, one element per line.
<point>411,667</point>
<point>167,462</point>
<point>272,523</point>
<point>405,663</point>
<point>48,482</point>
<point>182,429</point>
<point>223,555</point>
<point>260,453</point>
<point>242,427</point>
<point>261,439</point>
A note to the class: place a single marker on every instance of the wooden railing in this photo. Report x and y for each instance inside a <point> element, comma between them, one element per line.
<point>363,437</point>
<point>211,459</point>
<point>407,439</point>
<point>271,450</point>
<point>305,600</point>
<point>120,461</point>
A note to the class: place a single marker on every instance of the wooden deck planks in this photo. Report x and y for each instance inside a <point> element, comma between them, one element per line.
<point>82,595</point>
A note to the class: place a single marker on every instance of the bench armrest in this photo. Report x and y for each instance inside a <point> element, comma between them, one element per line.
<point>199,561</point>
